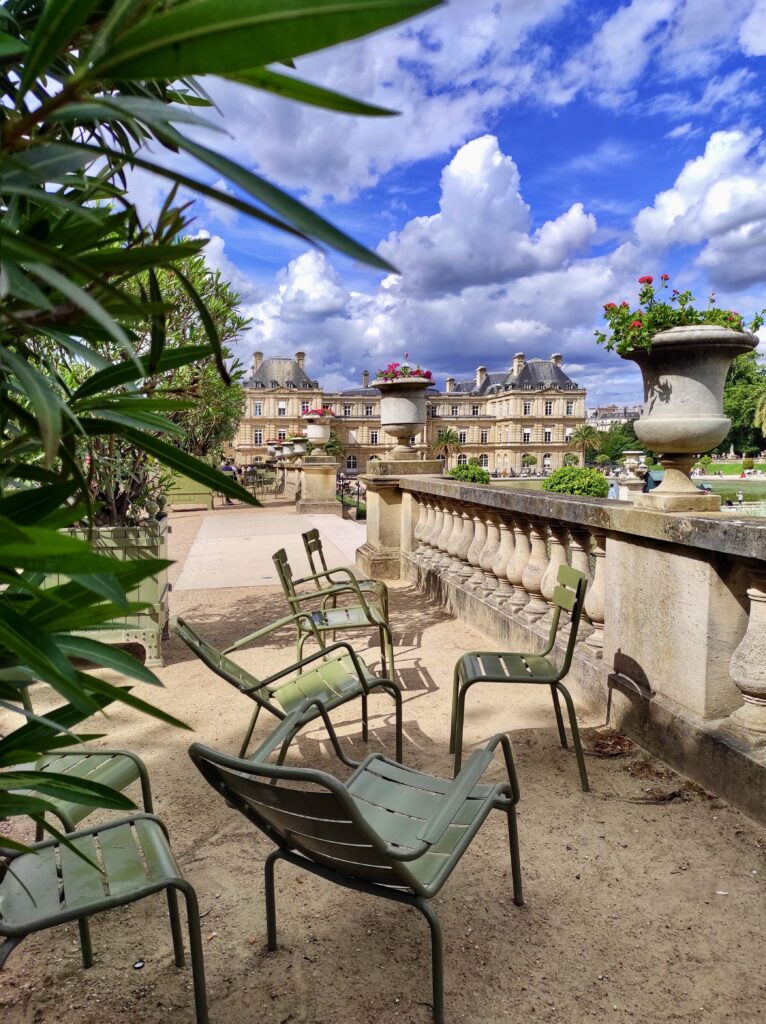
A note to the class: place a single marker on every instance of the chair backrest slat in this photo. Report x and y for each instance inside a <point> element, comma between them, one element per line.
<point>285,574</point>
<point>564,598</point>
<point>312,542</point>
<point>568,595</point>
<point>224,667</point>
<point>313,821</point>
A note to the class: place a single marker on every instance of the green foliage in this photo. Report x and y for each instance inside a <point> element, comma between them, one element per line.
<point>705,463</point>
<point>748,464</point>
<point>570,459</point>
<point>585,439</point>
<point>574,480</point>
<point>334,446</point>
<point>744,402</point>
<point>528,460</point>
<point>447,443</point>
<point>633,329</point>
<point>470,473</point>
<point>90,91</point>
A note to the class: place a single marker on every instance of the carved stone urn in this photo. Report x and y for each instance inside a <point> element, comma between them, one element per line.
<point>402,412</point>
<point>684,373</point>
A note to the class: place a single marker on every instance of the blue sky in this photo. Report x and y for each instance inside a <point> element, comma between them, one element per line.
<point>548,153</point>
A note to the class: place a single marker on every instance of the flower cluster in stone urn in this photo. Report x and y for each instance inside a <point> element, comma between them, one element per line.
<point>403,389</point>
<point>684,354</point>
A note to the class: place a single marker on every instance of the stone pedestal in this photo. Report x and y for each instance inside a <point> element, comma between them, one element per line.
<point>630,487</point>
<point>317,495</point>
<point>380,557</point>
<point>677,492</point>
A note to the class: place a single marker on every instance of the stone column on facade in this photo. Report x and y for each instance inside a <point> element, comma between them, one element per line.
<point>595,599</point>
<point>559,536</point>
<point>579,546</point>
<point>504,552</point>
<point>748,663</point>
<point>534,571</point>
<point>518,562</point>
<point>476,548</point>
<point>489,554</point>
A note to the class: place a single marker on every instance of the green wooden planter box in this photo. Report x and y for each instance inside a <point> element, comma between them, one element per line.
<point>149,627</point>
<point>184,491</point>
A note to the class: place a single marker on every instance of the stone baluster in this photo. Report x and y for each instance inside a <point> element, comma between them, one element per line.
<point>559,536</point>
<point>465,570</point>
<point>455,539</point>
<point>748,663</point>
<point>534,571</point>
<point>489,554</point>
<point>476,548</point>
<point>595,599</point>
<point>433,534</point>
<point>424,509</point>
<point>504,552</point>
<point>442,540</point>
<point>517,564</point>
<point>579,546</point>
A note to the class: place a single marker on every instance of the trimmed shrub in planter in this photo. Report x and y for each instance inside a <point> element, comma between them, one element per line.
<point>574,480</point>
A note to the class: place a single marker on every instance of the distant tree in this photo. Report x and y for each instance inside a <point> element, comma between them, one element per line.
<point>585,439</point>
<point>471,473</point>
<point>447,443</point>
<point>744,402</point>
<point>570,459</point>
<point>575,480</point>
<point>334,445</point>
<point>528,460</point>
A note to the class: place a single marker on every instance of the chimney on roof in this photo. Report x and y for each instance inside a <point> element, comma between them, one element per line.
<point>481,375</point>
<point>519,362</point>
<point>450,385</point>
<point>300,358</point>
<point>257,360</point>
<point>365,378</point>
<point>556,359</point>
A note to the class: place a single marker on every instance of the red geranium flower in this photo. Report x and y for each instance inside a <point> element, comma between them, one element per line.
<point>636,323</point>
<point>610,305</point>
<point>664,277</point>
<point>624,305</point>
<point>645,280</point>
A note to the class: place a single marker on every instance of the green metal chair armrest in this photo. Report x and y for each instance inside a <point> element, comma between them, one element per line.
<point>288,620</point>
<point>285,732</point>
<point>353,584</point>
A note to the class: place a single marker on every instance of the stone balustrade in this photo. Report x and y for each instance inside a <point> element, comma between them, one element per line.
<point>672,644</point>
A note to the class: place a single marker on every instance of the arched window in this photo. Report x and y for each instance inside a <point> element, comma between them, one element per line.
<point>484,461</point>
<point>351,462</point>
<point>462,460</point>
<point>546,461</point>
<point>441,458</point>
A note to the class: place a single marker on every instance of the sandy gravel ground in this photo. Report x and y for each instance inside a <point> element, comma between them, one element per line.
<point>645,898</point>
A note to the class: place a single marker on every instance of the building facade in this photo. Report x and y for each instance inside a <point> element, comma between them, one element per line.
<point>605,416</point>
<point>512,421</point>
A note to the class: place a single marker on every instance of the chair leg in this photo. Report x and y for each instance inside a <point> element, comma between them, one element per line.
<point>85,944</point>
<point>365,720</point>
<point>271,907</point>
<point>437,959</point>
<point>175,927</point>
<point>513,839</point>
<point>453,713</point>
<point>575,737</point>
<point>383,671</point>
<point>398,704</point>
<point>197,957</point>
<point>559,719</point>
<point>250,729</point>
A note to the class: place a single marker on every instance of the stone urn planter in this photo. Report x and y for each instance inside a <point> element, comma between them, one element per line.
<point>299,446</point>
<point>402,412</point>
<point>318,430</point>
<point>684,373</point>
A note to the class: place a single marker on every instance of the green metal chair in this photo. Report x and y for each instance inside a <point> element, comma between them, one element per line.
<point>127,860</point>
<point>389,830</point>
<point>324,619</point>
<point>375,589</point>
<point>501,667</point>
<point>332,675</point>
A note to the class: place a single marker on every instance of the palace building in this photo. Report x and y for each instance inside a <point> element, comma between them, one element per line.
<point>530,409</point>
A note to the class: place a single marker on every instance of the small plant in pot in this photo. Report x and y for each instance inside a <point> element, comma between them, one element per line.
<point>403,389</point>
<point>684,354</point>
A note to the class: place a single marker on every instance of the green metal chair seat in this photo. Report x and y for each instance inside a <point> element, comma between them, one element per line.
<point>332,676</point>
<point>347,618</point>
<point>128,860</point>
<point>389,830</point>
<point>521,667</point>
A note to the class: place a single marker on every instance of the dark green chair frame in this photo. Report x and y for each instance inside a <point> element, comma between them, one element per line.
<point>261,691</point>
<point>512,667</point>
<point>326,620</point>
<point>312,542</point>
<point>373,834</point>
<point>46,891</point>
